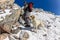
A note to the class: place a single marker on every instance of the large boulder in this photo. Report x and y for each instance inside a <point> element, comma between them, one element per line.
<point>10,20</point>
<point>4,36</point>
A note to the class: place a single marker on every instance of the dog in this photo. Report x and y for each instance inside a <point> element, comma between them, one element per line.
<point>36,23</point>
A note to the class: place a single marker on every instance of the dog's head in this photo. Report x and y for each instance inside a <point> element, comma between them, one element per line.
<point>32,17</point>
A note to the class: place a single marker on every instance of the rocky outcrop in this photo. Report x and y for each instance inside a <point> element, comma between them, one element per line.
<point>9,20</point>
<point>4,36</point>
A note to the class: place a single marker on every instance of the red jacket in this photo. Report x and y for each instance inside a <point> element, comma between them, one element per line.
<point>30,6</point>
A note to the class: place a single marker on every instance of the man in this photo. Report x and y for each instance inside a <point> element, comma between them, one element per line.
<point>27,8</point>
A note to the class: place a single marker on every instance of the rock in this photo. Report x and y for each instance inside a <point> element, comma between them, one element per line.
<point>4,29</point>
<point>25,36</point>
<point>4,36</point>
<point>10,20</point>
<point>45,35</point>
<point>6,4</point>
<point>7,28</point>
<point>16,30</point>
<point>11,37</point>
<point>17,24</point>
<point>11,14</point>
<point>34,30</point>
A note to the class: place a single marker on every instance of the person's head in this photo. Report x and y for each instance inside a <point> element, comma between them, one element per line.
<point>32,17</point>
<point>30,5</point>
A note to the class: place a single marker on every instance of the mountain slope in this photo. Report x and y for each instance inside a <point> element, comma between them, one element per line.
<point>52,27</point>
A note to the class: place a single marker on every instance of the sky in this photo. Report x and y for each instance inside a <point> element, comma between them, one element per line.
<point>48,5</point>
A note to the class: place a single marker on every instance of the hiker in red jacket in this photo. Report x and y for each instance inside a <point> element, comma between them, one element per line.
<point>27,8</point>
